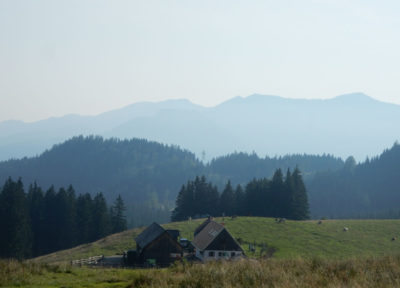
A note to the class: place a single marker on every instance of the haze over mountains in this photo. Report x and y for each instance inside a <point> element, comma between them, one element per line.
<point>352,124</point>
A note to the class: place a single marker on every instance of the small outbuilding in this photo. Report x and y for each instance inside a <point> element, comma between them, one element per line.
<point>157,246</point>
<point>212,242</point>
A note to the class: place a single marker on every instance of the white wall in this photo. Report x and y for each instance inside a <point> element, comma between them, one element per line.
<point>220,254</point>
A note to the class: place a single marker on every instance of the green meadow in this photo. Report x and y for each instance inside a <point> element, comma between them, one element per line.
<point>306,254</point>
<point>289,240</point>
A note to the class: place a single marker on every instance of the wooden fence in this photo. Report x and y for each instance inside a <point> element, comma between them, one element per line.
<point>88,261</point>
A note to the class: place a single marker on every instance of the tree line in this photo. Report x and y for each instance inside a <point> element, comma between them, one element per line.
<point>147,174</point>
<point>40,222</point>
<point>284,197</point>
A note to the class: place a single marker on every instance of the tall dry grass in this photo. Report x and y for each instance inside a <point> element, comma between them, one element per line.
<point>383,272</point>
<point>19,273</point>
<point>371,272</point>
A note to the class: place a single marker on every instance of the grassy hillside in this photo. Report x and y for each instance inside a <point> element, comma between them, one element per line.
<point>293,239</point>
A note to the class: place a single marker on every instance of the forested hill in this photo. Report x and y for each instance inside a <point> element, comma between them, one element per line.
<point>240,168</point>
<point>148,175</point>
<point>368,190</point>
<point>137,169</point>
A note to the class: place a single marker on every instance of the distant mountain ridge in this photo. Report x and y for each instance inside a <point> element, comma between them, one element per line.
<point>352,124</point>
<point>20,139</point>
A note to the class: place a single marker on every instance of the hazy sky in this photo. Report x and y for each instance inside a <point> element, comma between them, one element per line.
<point>86,57</point>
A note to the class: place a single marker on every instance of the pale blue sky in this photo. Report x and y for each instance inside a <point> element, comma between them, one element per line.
<point>86,57</point>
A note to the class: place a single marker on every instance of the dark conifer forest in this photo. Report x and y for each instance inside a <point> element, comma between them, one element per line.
<point>283,197</point>
<point>367,190</point>
<point>146,174</point>
<point>149,176</point>
<point>38,222</point>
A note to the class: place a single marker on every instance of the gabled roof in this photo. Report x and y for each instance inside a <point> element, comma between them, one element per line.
<point>174,233</point>
<point>207,235</point>
<point>149,234</point>
<point>202,225</point>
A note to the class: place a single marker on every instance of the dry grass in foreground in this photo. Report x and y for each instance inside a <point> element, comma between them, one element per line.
<point>383,272</point>
<point>372,272</point>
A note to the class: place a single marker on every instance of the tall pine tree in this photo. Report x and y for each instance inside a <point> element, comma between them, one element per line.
<point>239,201</point>
<point>101,217</point>
<point>299,209</point>
<point>84,216</point>
<point>15,241</point>
<point>35,200</point>
<point>227,200</point>
<point>118,218</point>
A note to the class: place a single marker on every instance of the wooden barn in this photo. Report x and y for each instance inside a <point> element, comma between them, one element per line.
<point>212,242</point>
<point>156,246</point>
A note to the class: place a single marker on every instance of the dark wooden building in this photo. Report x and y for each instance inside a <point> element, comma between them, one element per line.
<point>212,242</point>
<point>157,246</point>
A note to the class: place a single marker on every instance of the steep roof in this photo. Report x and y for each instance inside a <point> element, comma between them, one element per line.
<point>149,234</point>
<point>201,226</point>
<point>174,233</point>
<point>209,232</point>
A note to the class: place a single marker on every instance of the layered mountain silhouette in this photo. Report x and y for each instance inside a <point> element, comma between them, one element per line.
<point>352,124</point>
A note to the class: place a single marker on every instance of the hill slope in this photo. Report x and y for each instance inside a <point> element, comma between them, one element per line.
<point>369,189</point>
<point>147,175</point>
<point>137,169</point>
<point>292,239</point>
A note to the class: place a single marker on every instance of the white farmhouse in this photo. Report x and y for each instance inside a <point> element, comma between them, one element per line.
<point>212,242</point>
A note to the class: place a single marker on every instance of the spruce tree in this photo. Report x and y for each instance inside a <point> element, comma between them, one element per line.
<point>227,200</point>
<point>50,215</point>
<point>180,213</point>
<point>210,200</point>
<point>277,194</point>
<point>84,208</point>
<point>35,200</point>
<point>65,218</point>
<point>101,218</point>
<point>72,213</point>
<point>267,206</point>
<point>251,199</point>
<point>287,196</point>
<point>199,193</point>
<point>239,201</point>
<point>16,240</point>
<point>299,204</point>
<point>118,218</point>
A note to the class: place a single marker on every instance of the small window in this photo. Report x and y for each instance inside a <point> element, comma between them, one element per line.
<point>232,254</point>
<point>211,254</point>
<point>220,254</point>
